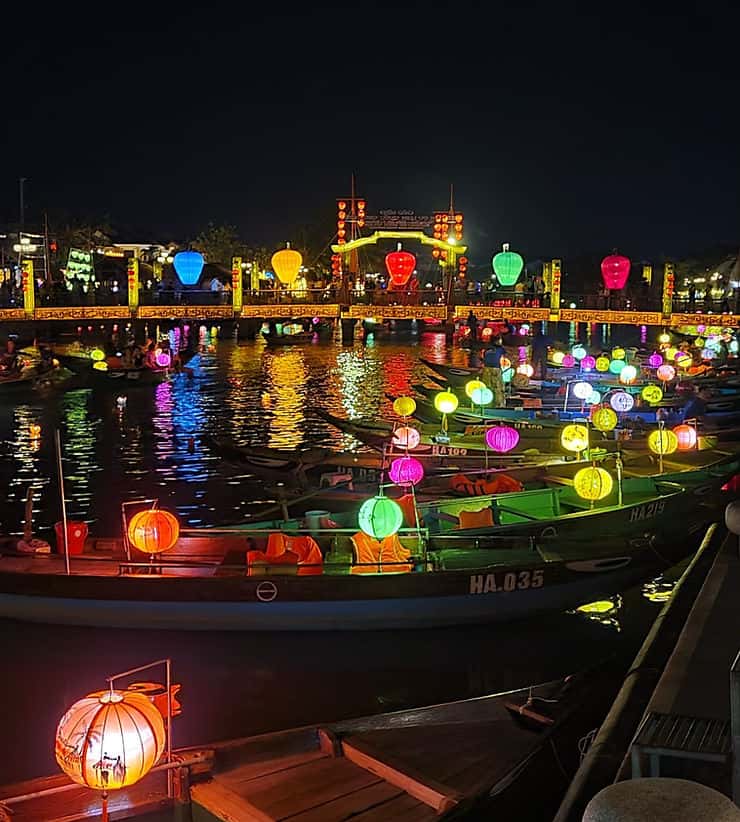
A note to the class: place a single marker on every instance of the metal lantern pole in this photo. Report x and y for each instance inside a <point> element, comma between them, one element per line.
<point>58,446</point>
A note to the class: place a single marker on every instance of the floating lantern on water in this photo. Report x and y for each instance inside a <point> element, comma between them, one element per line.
<point>604,419</point>
<point>593,483</point>
<point>154,530</point>
<point>507,265</point>
<point>406,437</point>
<point>406,471</point>
<point>662,441</point>
<point>502,438</point>
<point>380,517</point>
<point>579,352</point>
<point>97,355</point>
<point>615,269</point>
<point>655,360</point>
<point>621,401</point>
<point>628,375</point>
<point>574,438</point>
<point>652,394</point>
<point>582,390</point>
<point>558,357</point>
<point>588,363</point>
<point>602,364</point>
<point>526,369</point>
<point>188,266</point>
<point>666,373</point>
<point>482,396</point>
<point>400,266</point>
<point>404,406</point>
<point>686,435</point>
<point>473,385</point>
<point>569,361</point>
<point>287,263</point>
<point>446,402</point>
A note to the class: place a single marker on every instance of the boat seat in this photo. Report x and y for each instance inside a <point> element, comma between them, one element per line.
<point>541,504</point>
<point>333,478</point>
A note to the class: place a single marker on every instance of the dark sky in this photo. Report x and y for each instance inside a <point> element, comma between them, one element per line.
<point>565,129</point>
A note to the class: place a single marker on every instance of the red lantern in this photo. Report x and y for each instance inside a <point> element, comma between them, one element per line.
<point>615,269</point>
<point>400,265</point>
<point>686,437</point>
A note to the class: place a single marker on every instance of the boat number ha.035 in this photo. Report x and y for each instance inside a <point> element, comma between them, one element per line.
<point>647,511</point>
<point>506,581</point>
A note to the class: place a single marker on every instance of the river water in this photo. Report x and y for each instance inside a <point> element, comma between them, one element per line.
<point>238,684</point>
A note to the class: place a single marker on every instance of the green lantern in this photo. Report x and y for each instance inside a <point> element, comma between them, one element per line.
<point>380,517</point>
<point>507,266</point>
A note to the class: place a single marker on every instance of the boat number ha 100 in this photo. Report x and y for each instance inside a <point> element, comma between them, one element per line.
<point>448,451</point>
<point>647,511</point>
<point>509,581</point>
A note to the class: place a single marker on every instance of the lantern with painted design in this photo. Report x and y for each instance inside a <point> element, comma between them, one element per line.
<point>502,438</point>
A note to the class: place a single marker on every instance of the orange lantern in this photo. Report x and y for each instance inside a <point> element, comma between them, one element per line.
<point>286,264</point>
<point>153,531</point>
<point>686,437</point>
<point>341,205</point>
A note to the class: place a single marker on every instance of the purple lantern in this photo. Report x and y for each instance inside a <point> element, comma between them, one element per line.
<point>569,361</point>
<point>655,360</point>
<point>588,363</point>
<point>502,439</point>
<point>163,359</point>
<point>406,471</point>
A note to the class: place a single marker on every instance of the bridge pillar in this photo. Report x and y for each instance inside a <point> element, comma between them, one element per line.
<point>29,288</point>
<point>133,284</point>
<point>236,285</point>
<point>348,331</point>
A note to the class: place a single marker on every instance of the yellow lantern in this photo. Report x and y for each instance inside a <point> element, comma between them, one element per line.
<point>404,406</point>
<point>446,402</point>
<point>558,357</point>
<point>109,740</point>
<point>286,264</point>
<point>472,386</point>
<point>670,354</point>
<point>574,437</point>
<point>526,369</point>
<point>652,394</point>
<point>662,441</point>
<point>683,360</point>
<point>604,419</point>
<point>664,338</point>
<point>618,353</point>
<point>97,355</point>
<point>602,364</point>
<point>593,483</point>
<point>100,365</point>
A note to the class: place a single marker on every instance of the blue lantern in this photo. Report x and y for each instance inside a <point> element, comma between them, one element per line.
<point>188,265</point>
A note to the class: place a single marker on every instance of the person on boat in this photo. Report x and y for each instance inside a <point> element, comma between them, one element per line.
<point>472,323</point>
<point>9,364</point>
<point>540,344</point>
<point>492,375</point>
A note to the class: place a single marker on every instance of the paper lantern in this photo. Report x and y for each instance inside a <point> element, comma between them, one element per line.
<point>628,375</point>
<point>615,269</point>
<point>664,338</point>
<point>507,373</point>
<point>666,373</point>
<point>286,263</point>
<point>97,355</point>
<point>686,435</point>
<point>593,483</point>
<point>482,396</point>
<point>652,394</point>
<point>579,352</point>
<point>569,361</point>
<point>582,390</point>
<point>163,359</point>
<point>574,437</point>
<point>101,365</point>
<point>616,366</point>
<point>602,364</point>
<point>670,354</point>
<point>406,471</point>
<point>153,530</point>
<point>683,360</point>
<point>404,406</point>
<point>621,401</point>
<point>380,517</point>
<point>604,419</point>
<point>445,402</point>
<point>699,342</point>
<point>472,385</point>
<point>400,266</point>
<point>110,740</point>
<point>594,398</point>
<point>655,360</point>
<point>662,441</point>
<point>502,438</point>
<point>188,266</point>
<point>507,266</point>
<point>406,437</point>
<point>588,363</point>
<point>558,357</point>
<point>707,354</point>
<point>618,353</point>
<point>526,369</point>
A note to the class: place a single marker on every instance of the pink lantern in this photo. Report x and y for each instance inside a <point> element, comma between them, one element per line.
<point>666,373</point>
<point>588,363</point>
<point>655,360</point>
<point>502,439</point>
<point>406,437</point>
<point>615,269</point>
<point>163,359</point>
<point>569,361</point>
<point>406,471</point>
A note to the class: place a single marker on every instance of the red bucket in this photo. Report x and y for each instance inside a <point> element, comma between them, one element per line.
<point>76,536</point>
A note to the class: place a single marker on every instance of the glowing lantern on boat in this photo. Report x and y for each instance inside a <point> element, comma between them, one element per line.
<point>604,419</point>
<point>101,365</point>
<point>502,438</point>
<point>616,366</point>
<point>602,364</point>
<point>188,266</point>
<point>588,363</point>
<point>621,401</point>
<point>569,361</point>
<point>670,354</point>
<point>406,471</point>
<point>662,441</point>
<point>153,530</point>
<point>507,265</point>
<point>473,385</point>
<point>582,390</point>
<point>526,369</point>
<point>666,373</point>
<point>287,263</point>
<point>163,359</point>
<point>686,436</point>
<point>400,266</point>
<point>664,338</point>
<point>406,437</point>
<point>404,406</point>
<point>109,740</point>
<point>594,398</point>
<point>618,353</point>
<point>707,354</point>
<point>652,394</point>
<point>615,269</point>
<point>699,342</point>
<point>683,360</point>
<point>628,375</point>
<point>593,483</point>
<point>655,360</point>
<point>574,438</point>
<point>579,352</point>
<point>380,517</point>
<point>558,357</point>
<point>482,396</point>
<point>446,402</point>
<point>97,355</point>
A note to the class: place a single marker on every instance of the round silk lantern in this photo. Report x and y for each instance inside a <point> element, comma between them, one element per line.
<point>404,406</point>
<point>97,355</point>
<point>502,438</point>
<point>569,361</point>
<point>582,390</point>
<point>188,266</point>
<point>670,354</point>
<point>618,353</point>
<point>699,342</point>
<point>664,338</point>
<point>558,357</point>
<point>286,264</point>
<point>473,385</point>
<point>406,471</point>
<point>666,373</point>
<point>655,360</point>
<point>683,360</point>
<point>574,438</point>
<point>153,530</point>
<point>406,437</point>
<point>621,401</point>
<point>686,435</point>
<point>652,394</point>
<point>615,269</point>
<point>507,265</point>
<point>163,359</point>
<point>628,375</point>
<point>380,517</point>
<point>602,364</point>
<point>526,369</point>
<point>400,266</point>
<point>110,740</point>
<point>588,363</point>
<point>707,354</point>
<point>593,483</point>
<point>604,419</point>
<point>482,396</point>
<point>662,441</point>
<point>446,402</point>
<point>594,398</point>
<point>616,366</point>
<point>579,352</point>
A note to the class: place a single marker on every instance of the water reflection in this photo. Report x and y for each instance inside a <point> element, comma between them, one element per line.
<point>603,611</point>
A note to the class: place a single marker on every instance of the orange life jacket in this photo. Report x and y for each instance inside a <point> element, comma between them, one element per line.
<point>376,557</point>
<point>498,484</point>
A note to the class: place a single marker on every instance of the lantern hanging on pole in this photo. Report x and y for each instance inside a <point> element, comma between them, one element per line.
<point>665,373</point>
<point>188,266</point>
<point>472,385</point>
<point>655,360</point>
<point>406,437</point>
<point>574,438</point>
<point>153,531</point>
<point>604,419</point>
<point>662,441</point>
<point>621,401</point>
<point>507,265</point>
<point>404,406</point>
<point>615,269</point>
<point>406,471</point>
<point>686,436</point>
<point>286,264</point>
<point>502,438</point>
<point>652,394</point>
<point>582,390</point>
<point>593,483</point>
<point>446,402</point>
<point>380,517</point>
<point>400,266</point>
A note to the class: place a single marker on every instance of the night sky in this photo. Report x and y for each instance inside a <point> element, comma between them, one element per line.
<point>564,132</point>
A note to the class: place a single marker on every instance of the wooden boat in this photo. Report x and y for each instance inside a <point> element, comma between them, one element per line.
<point>34,378</point>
